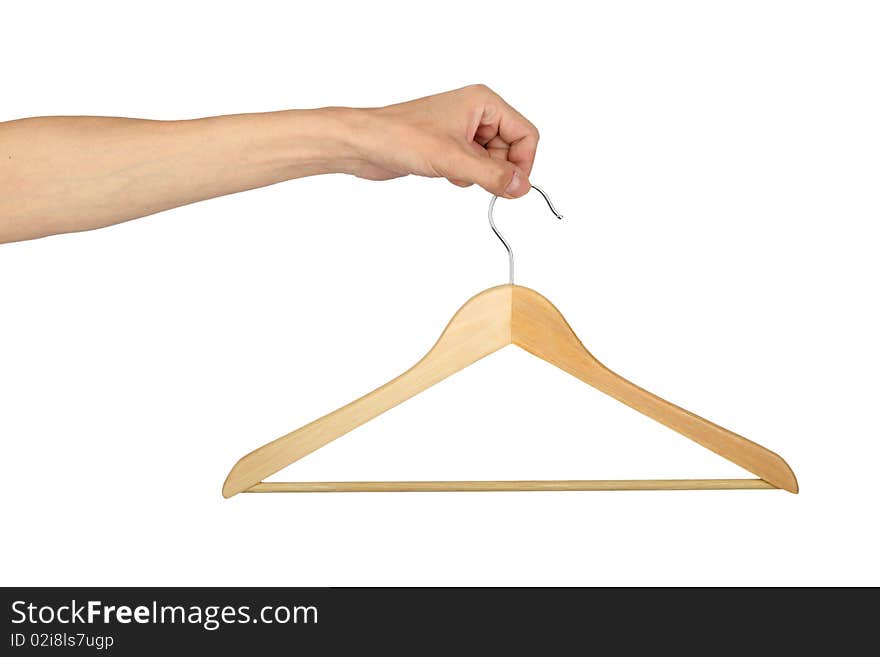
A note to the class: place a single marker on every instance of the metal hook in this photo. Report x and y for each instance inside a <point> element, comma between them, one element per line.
<point>504,241</point>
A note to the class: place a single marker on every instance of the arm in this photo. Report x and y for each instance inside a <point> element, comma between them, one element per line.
<point>66,174</point>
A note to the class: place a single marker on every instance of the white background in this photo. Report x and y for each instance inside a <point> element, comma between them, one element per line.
<point>717,164</point>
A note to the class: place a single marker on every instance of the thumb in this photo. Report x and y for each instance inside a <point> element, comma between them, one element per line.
<point>496,176</point>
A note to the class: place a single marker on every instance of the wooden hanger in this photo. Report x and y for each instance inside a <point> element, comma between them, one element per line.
<point>497,317</point>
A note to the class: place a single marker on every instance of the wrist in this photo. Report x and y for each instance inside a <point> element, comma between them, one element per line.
<point>330,140</point>
<point>354,133</point>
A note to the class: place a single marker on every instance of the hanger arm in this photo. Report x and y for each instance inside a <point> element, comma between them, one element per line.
<point>479,328</point>
<point>735,448</point>
<point>539,328</point>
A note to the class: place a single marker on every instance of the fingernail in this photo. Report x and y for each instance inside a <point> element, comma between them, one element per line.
<point>514,184</point>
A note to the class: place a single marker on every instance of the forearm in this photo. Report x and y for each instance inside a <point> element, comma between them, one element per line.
<point>65,174</point>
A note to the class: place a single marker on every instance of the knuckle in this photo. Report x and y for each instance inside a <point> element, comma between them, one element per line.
<point>480,88</point>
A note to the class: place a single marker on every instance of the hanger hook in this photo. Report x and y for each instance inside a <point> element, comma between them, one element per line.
<point>500,237</point>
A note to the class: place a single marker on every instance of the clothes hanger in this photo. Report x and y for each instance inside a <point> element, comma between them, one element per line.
<point>497,317</point>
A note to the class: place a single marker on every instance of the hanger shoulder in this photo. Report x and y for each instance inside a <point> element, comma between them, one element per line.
<point>480,327</point>
<point>539,328</point>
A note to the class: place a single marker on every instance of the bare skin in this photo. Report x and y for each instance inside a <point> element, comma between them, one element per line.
<point>72,173</point>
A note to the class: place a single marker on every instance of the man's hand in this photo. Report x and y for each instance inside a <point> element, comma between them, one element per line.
<point>60,174</point>
<point>467,136</point>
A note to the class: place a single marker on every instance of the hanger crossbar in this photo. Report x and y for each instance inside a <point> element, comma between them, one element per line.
<point>489,486</point>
